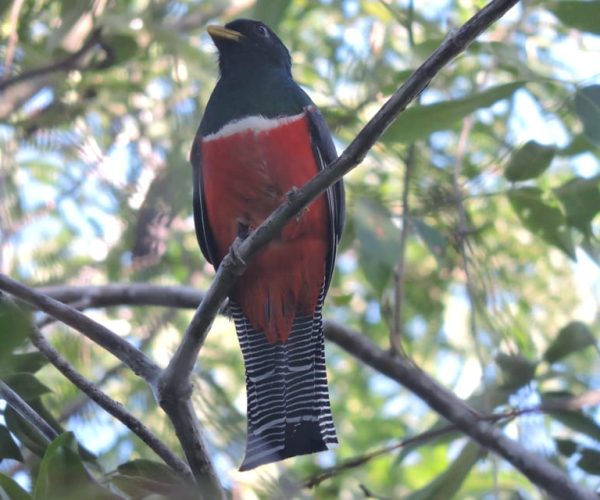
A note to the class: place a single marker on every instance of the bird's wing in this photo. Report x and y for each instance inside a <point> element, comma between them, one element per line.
<point>203,232</point>
<point>325,154</point>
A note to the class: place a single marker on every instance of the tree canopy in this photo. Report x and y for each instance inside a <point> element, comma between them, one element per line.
<point>471,250</point>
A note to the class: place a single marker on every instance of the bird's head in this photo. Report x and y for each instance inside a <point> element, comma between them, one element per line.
<point>246,47</point>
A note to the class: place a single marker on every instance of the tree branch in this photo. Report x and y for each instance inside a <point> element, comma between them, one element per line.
<point>46,432</point>
<point>109,405</point>
<point>16,90</point>
<point>462,416</point>
<point>132,357</point>
<point>537,469</point>
<point>173,385</point>
<point>178,409</point>
<point>233,264</point>
<point>130,294</point>
<point>68,63</point>
<point>591,398</point>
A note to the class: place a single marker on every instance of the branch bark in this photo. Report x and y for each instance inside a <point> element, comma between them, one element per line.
<point>46,432</point>
<point>537,469</point>
<point>109,405</point>
<point>132,357</point>
<point>180,412</point>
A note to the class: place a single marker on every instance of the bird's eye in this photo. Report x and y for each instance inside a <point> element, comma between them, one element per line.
<point>262,31</point>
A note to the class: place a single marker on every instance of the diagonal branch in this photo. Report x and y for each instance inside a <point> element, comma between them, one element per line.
<point>72,61</point>
<point>46,432</point>
<point>590,398</point>
<point>109,405</point>
<point>128,354</point>
<point>179,410</point>
<point>536,468</point>
<point>233,264</point>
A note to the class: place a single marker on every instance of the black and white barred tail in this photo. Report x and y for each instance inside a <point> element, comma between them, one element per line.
<point>286,383</point>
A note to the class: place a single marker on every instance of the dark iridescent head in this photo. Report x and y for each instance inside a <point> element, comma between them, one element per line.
<point>249,46</point>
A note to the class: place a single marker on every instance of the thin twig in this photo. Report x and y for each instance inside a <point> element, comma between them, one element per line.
<point>45,431</point>
<point>127,294</point>
<point>109,405</point>
<point>70,62</point>
<point>399,269</point>
<point>179,411</point>
<point>77,404</point>
<point>591,398</point>
<point>536,468</point>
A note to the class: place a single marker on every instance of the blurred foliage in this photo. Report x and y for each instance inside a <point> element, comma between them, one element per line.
<point>501,281</point>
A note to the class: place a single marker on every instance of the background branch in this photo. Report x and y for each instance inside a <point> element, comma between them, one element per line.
<point>109,405</point>
<point>591,398</point>
<point>403,371</point>
<point>132,357</point>
<point>179,411</point>
<point>46,432</point>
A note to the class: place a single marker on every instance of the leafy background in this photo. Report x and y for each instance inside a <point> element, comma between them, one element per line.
<point>498,295</point>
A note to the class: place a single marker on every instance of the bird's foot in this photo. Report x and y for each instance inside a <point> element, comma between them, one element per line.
<point>292,193</point>
<point>237,261</point>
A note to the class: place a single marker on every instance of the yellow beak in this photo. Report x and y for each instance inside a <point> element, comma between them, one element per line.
<point>224,33</point>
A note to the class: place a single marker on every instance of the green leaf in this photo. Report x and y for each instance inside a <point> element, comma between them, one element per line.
<point>590,461</point>
<point>71,12</point>
<point>148,468</point>
<point>62,474</point>
<point>141,477</point>
<point>378,242</point>
<point>29,362</point>
<point>436,242</point>
<point>26,385</point>
<point>577,420</point>
<point>542,219</point>
<point>587,107</point>
<point>529,161</point>
<point>419,122</point>
<point>517,370</point>
<point>15,325</point>
<point>124,47</point>
<point>450,481</point>
<point>566,447</point>
<point>10,489</point>
<point>571,338</point>
<point>271,12</point>
<point>581,15</point>
<point>581,199</point>
<point>27,435</point>
<point>579,144</point>
<point>8,447</point>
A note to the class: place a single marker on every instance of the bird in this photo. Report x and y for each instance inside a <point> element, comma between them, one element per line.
<point>261,138</point>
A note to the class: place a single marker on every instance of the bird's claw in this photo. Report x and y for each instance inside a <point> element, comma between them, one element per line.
<point>290,196</point>
<point>239,264</point>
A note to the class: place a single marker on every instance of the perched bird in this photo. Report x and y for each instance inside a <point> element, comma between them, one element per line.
<point>260,138</point>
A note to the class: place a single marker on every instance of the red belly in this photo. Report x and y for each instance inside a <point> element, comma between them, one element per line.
<point>246,176</point>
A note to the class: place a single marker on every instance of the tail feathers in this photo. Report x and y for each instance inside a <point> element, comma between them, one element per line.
<point>288,400</point>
